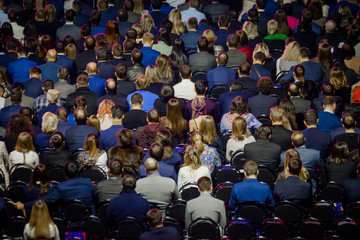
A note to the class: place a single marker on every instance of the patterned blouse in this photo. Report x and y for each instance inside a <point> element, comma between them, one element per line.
<point>210,158</point>
<point>228,118</point>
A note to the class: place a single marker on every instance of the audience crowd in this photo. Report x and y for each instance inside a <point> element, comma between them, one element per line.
<point>160,95</point>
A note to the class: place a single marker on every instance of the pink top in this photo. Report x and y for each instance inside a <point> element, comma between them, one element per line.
<point>292,22</point>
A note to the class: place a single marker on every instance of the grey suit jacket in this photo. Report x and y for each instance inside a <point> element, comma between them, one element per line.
<point>205,206</point>
<point>301,105</point>
<point>158,190</point>
<point>202,61</point>
<point>68,29</point>
<point>235,58</point>
<point>25,102</point>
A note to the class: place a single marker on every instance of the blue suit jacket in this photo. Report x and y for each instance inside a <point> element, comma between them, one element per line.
<point>158,17</point>
<point>263,72</point>
<point>219,75</point>
<point>50,70</point>
<point>190,40</point>
<point>81,19</point>
<point>108,137</point>
<point>70,65</point>
<point>19,69</point>
<point>351,188</point>
<point>96,30</point>
<point>225,100</point>
<point>292,189</point>
<point>106,17</point>
<point>42,142</point>
<point>75,136</point>
<point>261,104</point>
<point>33,87</point>
<point>310,158</point>
<point>6,112</point>
<point>150,56</point>
<point>221,39</point>
<point>328,121</point>
<point>63,126</point>
<point>106,70</point>
<point>5,60</point>
<point>165,170</point>
<point>313,71</point>
<point>160,233</point>
<point>97,84</point>
<point>318,140</point>
<point>128,203</point>
<point>123,27</point>
<point>251,190</point>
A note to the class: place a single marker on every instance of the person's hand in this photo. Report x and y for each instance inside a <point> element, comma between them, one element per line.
<point>19,206</point>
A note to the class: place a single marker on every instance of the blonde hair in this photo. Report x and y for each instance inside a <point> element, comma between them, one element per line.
<point>292,153</point>
<point>291,52</point>
<point>138,7</point>
<point>94,121</point>
<point>50,12</point>
<point>207,129</point>
<point>49,123</point>
<point>250,29</point>
<point>105,108</point>
<point>209,35</point>
<point>138,28</point>
<point>262,47</point>
<point>40,220</point>
<point>239,129</point>
<point>338,78</point>
<point>52,95</point>
<point>196,140</point>
<point>152,75</point>
<point>71,51</point>
<point>147,22</point>
<point>192,157</point>
<point>272,27</point>
<point>24,144</point>
<point>178,26</point>
<point>92,145</point>
<point>163,68</point>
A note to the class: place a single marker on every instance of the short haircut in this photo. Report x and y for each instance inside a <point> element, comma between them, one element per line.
<point>156,4</point>
<point>80,101</point>
<point>121,71</point>
<point>115,167</point>
<point>59,46</point>
<point>233,40</point>
<point>294,90</point>
<point>142,82</point>
<point>52,95</point>
<point>125,138</point>
<point>192,23</point>
<point>137,56</point>
<point>63,73</point>
<point>95,17</point>
<point>90,42</point>
<point>128,45</point>
<point>148,37</point>
<point>204,184</point>
<point>295,166</point>
<point>276,114</point>
<point>329,101</point>
<point>203,44</point>
<point>265,85</point>
<point>153,115</point>
<point>128,182</point>
<point>236,85</point>
<point>27,112</point>
<point>185,71</point>
<point>71,169</point>
<point>111,85</point>
<point>15,95</point>
<point>224,20</point>
<point>117,111</point>
<point>245,68</point>
<point>136,98</point>
<point>250,168</point>
<point>348,121</point>
<point>259,56</point>
<point>117,49</point>
<point>102,54</point>
<point>70,15</point>
<point>62,114</point>
<point>80,115</point>
<point>264,132</point>
<point>222,59</point>
<point>22,51</point>
<point>19,85</point>
<point>154,217</point>
<point>12,14</point>
<point>298,139</point>
<point>156,151</point>
<point>304,52</point>
<point>167,91</point>
<point>311,117</point>
<point>261,4</point>
<point>327,89</point>
<point>131,34</point>
<point>200,87</point>
<point>82,80</point>
<point>122,15</point>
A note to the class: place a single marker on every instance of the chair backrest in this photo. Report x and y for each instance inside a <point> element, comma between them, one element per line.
<point>75,211</point>
<point>324,212</point>
<point>204,228</point>
<point>15,191</point>
<point>189,191</point>
<point>266,176</point>
<point>239,229</point>
<point>94,228</point>
<point>227,174</point>
<point>311,230</point>
<point>348,230</point>
<point>216,91</point>
<point>20,172</point>
<point>199,75</point>
<point>16,227</point>
<point>288,212</point>
<point>332,192</point>
<point>62,226</point>
<point>238,159</point>
<point>129,228</point>
<point>223,192</point>
<point>275,229</point>
<point>222,156</point>
<point>252,213</point>
<point>56,173</point>
<point>353,211</point>
<point>176,210</point>
<point>265,120</point>
<point>171,222</point>
<point>102,210</point>
<point>95,173</point>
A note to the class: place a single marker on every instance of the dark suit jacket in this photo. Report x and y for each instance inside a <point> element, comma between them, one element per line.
<point>214,10</point>
<point>19,69</point>
<point>125,88</point>
<point>6,112</point>
<point>351,188</point>
<point>75,136</point>
<point>301,105</point>
<point>235,58</point>
<point>106,70</point>
<point>318,140</point>
<point>292,189</point>
<point>313,71</point>
<point>328,121</point>
<point>202,61</point>
<point>69,64</point>
<point>123,27</point>
<point>81,19</point>
<point>33,87</point>
<point>219,75</point>
<point>158,18</point>
<point>281,136</point>
<point>90,100</point>
<point>70,29</point>
<point>115,98</point>
<point>63,126</point>
<point>221,39</point>
<point>225,100</point>
<point>263,152</point>
<point>258,71</point>
<point>261,104</point>
<point>190,41</point>
<point>50,70</point>
<point>160,233</point>
<point>84,58</point>
<point>33,57</point>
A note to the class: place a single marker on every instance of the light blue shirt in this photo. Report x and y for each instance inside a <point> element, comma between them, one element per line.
<point>3,17</point>
<point>191,12</point>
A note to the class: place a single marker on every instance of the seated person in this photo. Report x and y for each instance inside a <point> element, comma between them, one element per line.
<point>135,117</point>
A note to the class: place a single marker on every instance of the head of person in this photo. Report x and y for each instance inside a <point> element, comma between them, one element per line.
<point>338,78</point>
<point>294,167</point>
<point>154,218</point>
<point>192,157</point>
<point>251,169</point>
<point>49,123</point>
<point>115,167</point>
<point>348,121</point>
<point>82,81</point>
<point>192,23</point>
<point>153,116</point>
<point>298,139</point>
<point>239,129</point>
<point>259,58</point>
<point>291,51</point>
<point>148,39</point>
<point>35,72</point>
<point>151,166</point>
<point>239,106</point>
<point>236,86</point>
<point>24,143</point>
<point>128,183</point>
<point>198,106</point>
<point>105,108</point>
<point>57,140</point>
<point>262,47</point>
<point>204,185</point>
<point>52,96</point>
<point>233,41</point>
<point>15,96</point>
<point>222,59</point>
<point>330,26</point>
<point>94,121</point>
<point>224,21</point>
<point>293,90</point>
<point>63,73</point>
<point>250,29</point>
<point>243,38</point>
<point>136,56</point>
<point>71,170</point>
<point>27,112</point>
<point>125,138</point>
<point>244,69</point>
<point>299,73</point>
<point>304,54</point>
<point>80,115</point>
<point>121,71</point>
<point>276,114</point>
<point>185,72</point>
<point>163,137</point>
<point>136,100</point>
<point>329,103</point>
<point>339,153</point>
<point>40,175</point>
<point>142,82</point>
<point>92,145</point>
<point>272,26</point>
<point>156,151</point>
<point>311,117</point>
<point>261,4</point>
<point>117,112</point>
<point>202,44</point>
<point>167,92</point>
<point>264,132</point>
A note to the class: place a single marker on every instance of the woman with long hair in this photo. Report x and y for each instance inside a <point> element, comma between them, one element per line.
<point>163,44</point>
<point>198,107</point>
<point>270,63</point>
<point>129,154</point>
<point>251,32</point>
<point>211,37</point>
<point>209,156</point>
<point>47,42</point>
<point>178,58</point>
<point>139,7</point>
<point>339,168</point>
<point>308,88</point>
<point>178,27</point>
<point>244,45</point>
<point>24,152</point>
<point>281,18</point>
<point>174,120</point>
<point>5,84</point>
<point>112,31</point>
<point>71,51</point>
<point>239,108</point>
<point>48,126</point>
<point>324,56</point>
<point>163,68</point>
<point>156,83</point>
<point>40,226</point>
<point>341,86</point>
<point>289,113</point>
<point>207,129</point>
<point>104,114</point>
<point>147,24</point>
<point>192,169</point>
<point>289,154</point>
<point>351,61</point>
<point>92,154</point>
<point>289,57</point>
<point>239,138</point>
<point>94,121</point>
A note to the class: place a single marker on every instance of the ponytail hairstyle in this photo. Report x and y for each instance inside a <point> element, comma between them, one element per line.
<point>192,157</point>
<point>57,140</point>
<point>198,106</point>
<point>92,145</point>
<point>40,176</point>
<point>164,138</point>
<point>299,73</point>
<point>196,140</point>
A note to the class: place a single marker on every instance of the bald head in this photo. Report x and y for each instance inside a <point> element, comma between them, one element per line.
<point>294,90</point>
<point>51,55</point>
<point>330,26</point>
<point>91,68</point>
<point>151,166</point>
<point>298,139</point>
<point>110,85</point>
<point>222,59</point>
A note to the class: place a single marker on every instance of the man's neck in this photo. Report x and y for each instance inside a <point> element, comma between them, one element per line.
<point>277,123</point>
<point>258,62</point>
<point>200,96</point>
<point>310,126</point>
<point>147,45</point>
<point>63,80</point>
<point>137,107</point>
<point>224,28</point>
<point>117,122</point>
<point>251,177</point>
<point>120,79</point>
<point>244,76</point>
<point>350,130</point>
